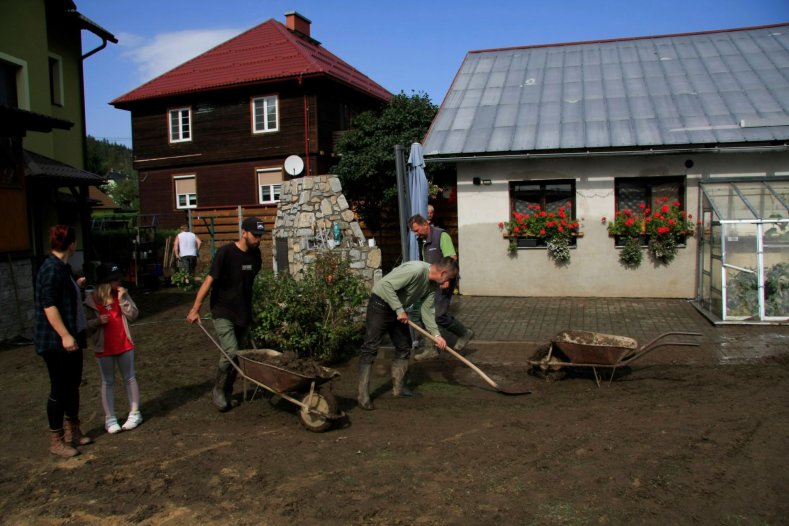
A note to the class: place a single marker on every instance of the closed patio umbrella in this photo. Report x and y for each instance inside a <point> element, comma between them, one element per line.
<point>417,192</point>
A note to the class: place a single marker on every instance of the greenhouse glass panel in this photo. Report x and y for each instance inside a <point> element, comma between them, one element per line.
<point>761,199</point>
<point>741,270</point>
<point>728,202</point>
<point>743,256</point>
<point>716,289</point>
<point>776,275</point>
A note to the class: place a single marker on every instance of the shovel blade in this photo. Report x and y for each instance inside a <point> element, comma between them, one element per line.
<point>514,389</point>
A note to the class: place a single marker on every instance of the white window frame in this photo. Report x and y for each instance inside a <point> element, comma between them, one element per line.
<point>56,79</point>
<point>190,198</point>
<point>22,84</point>
<point>179,114</point>
<point>266,102</point>
<point>269,191</point>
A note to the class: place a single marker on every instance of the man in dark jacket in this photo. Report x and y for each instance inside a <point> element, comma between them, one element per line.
<point>437,244</point>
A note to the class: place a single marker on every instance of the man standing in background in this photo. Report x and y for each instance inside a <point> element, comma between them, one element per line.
<point>437,244</point>
<point>185,249</point>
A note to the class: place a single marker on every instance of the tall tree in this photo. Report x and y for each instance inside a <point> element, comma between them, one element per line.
<point>367,164</point>
<point>105,157</point>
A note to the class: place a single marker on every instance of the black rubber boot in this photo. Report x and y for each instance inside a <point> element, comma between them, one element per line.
<point>364,386</point>
<point>399,389</point>
<point>218,395</point>
<point>464,335</point>
<point>228,388</point>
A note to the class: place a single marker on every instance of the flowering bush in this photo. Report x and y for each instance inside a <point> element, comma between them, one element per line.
<point>186,281</point>
<point>626,224</point>
<point>667,226</point>
<point>555,229</point>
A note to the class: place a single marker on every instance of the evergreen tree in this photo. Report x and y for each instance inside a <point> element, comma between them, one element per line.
<point>105,157</point>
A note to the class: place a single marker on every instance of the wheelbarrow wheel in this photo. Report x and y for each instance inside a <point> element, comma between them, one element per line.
<point>323,402</point>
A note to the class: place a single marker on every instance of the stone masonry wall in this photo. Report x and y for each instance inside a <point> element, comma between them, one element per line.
<point>16,299</point>
<point>308,209</point>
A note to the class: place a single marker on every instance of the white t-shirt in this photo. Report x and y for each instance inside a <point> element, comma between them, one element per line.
<point>187,244</point>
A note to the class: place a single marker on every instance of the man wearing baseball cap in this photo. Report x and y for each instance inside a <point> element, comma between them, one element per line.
<point>230,281</point>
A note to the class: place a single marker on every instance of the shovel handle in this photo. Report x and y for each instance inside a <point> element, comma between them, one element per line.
<point>456,354</point>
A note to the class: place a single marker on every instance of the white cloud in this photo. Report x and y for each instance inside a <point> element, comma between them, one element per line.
<point>161,53</point>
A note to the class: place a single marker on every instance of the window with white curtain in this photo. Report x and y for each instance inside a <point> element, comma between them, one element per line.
<point>185,191</point>
<point>269,185</point>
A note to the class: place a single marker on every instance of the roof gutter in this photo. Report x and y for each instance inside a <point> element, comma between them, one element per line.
<point>607,153</point>
<point>93,27</point>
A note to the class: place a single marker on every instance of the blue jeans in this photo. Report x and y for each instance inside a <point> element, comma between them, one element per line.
<point>381,319</point>
<point>231,338</point>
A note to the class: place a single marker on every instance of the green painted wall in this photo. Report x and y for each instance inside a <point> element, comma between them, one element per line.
<point>26,40</point>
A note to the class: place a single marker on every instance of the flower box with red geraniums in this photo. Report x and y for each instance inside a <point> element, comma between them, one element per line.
<point>554,230</point>
<point>662,229</point>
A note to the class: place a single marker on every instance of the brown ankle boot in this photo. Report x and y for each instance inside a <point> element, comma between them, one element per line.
<point>58,447</point>
<point>73,435</point>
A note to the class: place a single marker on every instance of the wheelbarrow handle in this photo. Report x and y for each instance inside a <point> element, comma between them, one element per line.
<point>656,343</point>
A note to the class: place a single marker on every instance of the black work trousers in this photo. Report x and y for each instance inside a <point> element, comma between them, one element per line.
<point>65,375</point>
<point>381,320</point>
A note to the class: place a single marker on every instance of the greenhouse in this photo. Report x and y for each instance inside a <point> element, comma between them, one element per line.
<point>744,250</point>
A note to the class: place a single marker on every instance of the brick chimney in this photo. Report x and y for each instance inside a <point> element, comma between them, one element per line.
<point>297,23</point>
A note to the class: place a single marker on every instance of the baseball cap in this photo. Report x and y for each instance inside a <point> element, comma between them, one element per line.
<point>253,225</point>
<point>108,272</point>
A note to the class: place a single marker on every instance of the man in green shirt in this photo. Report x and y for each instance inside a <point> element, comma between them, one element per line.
<point>411,282</point>
<point>437,244</point>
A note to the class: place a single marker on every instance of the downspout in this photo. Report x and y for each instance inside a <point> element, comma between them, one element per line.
<point>306,128</point>
<point>91,52</point>
<point>105,36</point>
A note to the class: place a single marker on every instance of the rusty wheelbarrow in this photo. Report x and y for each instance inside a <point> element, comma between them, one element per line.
<point>307,390</point>
<point>586,349</point>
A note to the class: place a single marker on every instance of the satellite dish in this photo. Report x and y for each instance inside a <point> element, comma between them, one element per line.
<point>294,165</point>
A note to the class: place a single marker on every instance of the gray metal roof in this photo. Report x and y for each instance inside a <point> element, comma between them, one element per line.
<point>718,87</point>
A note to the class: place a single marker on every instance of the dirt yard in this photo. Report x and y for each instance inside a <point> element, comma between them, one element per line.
<point>665,444</point>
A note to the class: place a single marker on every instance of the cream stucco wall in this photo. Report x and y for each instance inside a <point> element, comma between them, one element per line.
<point>594,269</point>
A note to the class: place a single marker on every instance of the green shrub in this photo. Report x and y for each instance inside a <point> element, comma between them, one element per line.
<point>317,314</point>
<point>630,256</point>
<point>184,280</point>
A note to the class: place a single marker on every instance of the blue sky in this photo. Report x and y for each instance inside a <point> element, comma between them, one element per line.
<point>404,45</point>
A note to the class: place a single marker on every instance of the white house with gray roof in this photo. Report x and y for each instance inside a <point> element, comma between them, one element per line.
<point>605,125</point>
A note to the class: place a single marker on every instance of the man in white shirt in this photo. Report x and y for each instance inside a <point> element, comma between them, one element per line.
<point>185,249</point>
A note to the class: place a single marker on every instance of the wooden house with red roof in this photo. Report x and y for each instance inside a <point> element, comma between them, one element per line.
<point>215,132</point>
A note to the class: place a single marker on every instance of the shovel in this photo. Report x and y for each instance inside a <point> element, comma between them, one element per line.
<point>511,389</point>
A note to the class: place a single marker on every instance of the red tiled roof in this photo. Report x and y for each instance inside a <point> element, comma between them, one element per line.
<point>266,52</point>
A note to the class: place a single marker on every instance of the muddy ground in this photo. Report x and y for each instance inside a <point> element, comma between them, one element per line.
<point>667,443</point>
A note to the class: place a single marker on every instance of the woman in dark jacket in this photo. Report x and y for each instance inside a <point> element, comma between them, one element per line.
<point>59,339</point>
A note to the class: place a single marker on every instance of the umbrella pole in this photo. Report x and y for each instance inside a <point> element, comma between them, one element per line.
<point>402,199</point>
